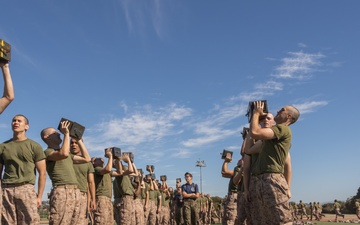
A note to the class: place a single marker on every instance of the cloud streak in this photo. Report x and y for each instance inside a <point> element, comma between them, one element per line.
<point>298,65</point>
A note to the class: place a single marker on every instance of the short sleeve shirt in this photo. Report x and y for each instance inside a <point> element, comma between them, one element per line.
<point>103,183</point>
<point>61,171</point>
<point>18,159</point>
<point>81,171</point>
<point>273,153</point>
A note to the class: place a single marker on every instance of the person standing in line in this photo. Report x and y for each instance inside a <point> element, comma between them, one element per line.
<point>126,206</point>
<point>230,209</point>
<point>20,157</point>
<point>64,196</point>
<point>85,176</point>
<point>190,192</point>
<point>178,204</point>
<point>104,214</point>
<point>269,169</point>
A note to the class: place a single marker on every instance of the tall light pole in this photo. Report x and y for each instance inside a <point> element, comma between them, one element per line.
<point>200,164</point>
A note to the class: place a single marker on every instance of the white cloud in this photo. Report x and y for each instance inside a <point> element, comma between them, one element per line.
<point>270,85</point>
<point>308,107</point>
<point>143,126</point>
<point>299,65</point>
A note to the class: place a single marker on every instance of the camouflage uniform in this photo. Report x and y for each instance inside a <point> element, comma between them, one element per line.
<point>64,197</point>
<point>178,199</point>
<point>126,207</point>
<point>357,206</point>
<point>231,202</point>
<point>21,199</point>
<point>104,214</point>
<point>18,193</point>
<point>165,211</point>
<point>191,212</point>
<point>150,213</point>
<point>268,186</point>
<point>82,171</point>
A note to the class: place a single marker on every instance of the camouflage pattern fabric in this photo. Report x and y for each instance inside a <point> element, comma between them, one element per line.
<point>104,214</point>
<point>230,209</point>
<point>116,210</point>
<point>64,205</point>
<point>127,210</point>
<point>270,203</point>
<point>19,199</point>
<point>190,212</point>
<point>139,212</point>
<point>83,206</point>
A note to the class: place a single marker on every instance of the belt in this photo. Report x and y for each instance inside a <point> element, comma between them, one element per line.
<point>67,186</point>
<point>15,185</point>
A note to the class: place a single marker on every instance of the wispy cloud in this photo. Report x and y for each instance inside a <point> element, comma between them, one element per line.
<point>298,65</point>
<point>137,13</point>
<point>142,126</point>
<point>308,107</point>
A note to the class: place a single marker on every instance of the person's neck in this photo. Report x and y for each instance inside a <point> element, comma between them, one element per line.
<point>21,136</point>
<point>189,182</point>
<point>53,146</point>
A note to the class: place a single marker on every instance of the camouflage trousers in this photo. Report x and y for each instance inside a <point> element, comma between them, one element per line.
<point>19,205</point>
<point>83,209</point>
<point>116,212</point>
<point>243,210</point>
<point>269,200</point>
<point>126,210</point>
<point>179,219</point>
<point>230,209</point>
<point>104,214</point>
<point>150,213</point>
<point>139,212</point>
<point>165,215</point>
<point>64,205</point>
<point>191,214</point>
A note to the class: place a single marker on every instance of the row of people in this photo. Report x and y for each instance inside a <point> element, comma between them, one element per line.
<point>259,185</point>
<point>82,187</point>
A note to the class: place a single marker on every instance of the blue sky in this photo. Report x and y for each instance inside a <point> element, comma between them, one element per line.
<point>171,81</point>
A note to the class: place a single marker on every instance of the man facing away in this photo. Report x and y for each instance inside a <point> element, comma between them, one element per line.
<point>20,156</point>
<point>64,196</point>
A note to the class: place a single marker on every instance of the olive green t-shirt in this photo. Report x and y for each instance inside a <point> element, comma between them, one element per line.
<point>102,183</point>
<point>62,171</point>
<point>18,160</point>
<point>144,190</point>
<point>116,188</point>
<point>273,153</point>
<point>232,187</point>
<point>152,194</point>
<point>126,188</point>
<point>81,171</point>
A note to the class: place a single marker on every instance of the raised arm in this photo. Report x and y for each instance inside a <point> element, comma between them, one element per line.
<point>256,131</point>
<point>225,172</point>
<point>64,151</point>
<point>84,157</point>
<point>8,95</point>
